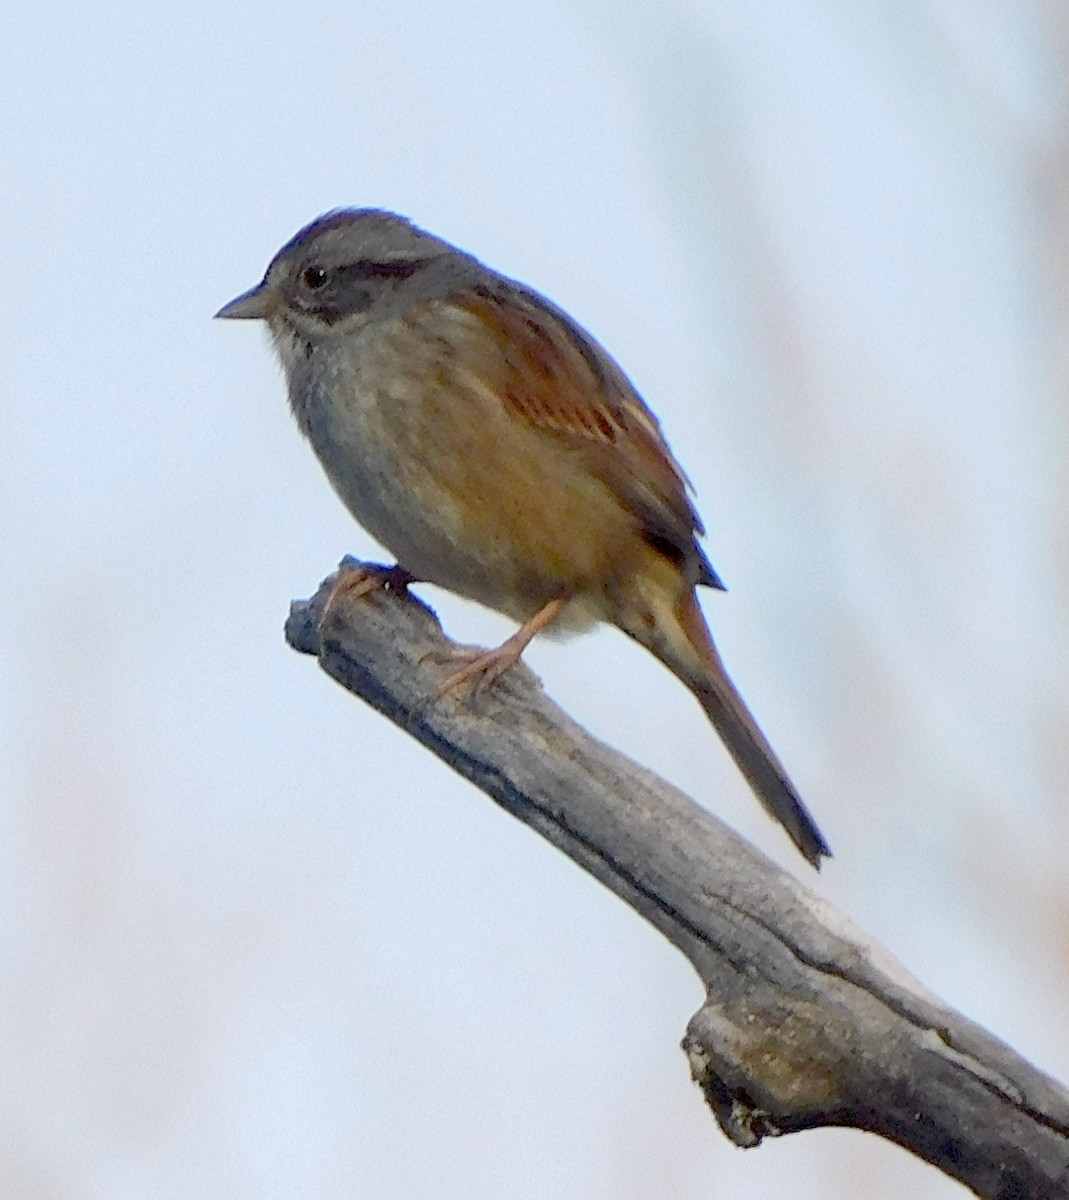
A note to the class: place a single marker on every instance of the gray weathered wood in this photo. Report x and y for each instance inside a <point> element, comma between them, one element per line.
<point>806,1022</point>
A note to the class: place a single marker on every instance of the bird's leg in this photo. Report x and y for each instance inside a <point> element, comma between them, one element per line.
<point>362,579</point>
<point>483,667</point>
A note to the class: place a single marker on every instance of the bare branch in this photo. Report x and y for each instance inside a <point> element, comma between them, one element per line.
<point>806,1022</point>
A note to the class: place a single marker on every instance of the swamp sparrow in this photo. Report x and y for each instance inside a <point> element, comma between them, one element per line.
<point>497,450</point>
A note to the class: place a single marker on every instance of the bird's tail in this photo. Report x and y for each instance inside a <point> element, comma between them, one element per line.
<point>681,639</point>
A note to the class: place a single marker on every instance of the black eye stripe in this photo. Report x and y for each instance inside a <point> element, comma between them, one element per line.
<point>370,268</point>
<point>335,292</point>
<point>314,277</point>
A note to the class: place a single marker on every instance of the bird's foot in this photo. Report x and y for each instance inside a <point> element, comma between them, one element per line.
<point>482,668</point>
<point>360,579</point>
<point>479,669</point>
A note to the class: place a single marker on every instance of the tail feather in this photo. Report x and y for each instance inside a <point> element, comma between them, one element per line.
<point>757,761</point>
<point>681,640</point>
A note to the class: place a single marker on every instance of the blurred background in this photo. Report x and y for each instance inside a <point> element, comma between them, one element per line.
<point>256,943</point>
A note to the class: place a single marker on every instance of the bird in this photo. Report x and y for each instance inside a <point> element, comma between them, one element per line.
<point>496,449</point>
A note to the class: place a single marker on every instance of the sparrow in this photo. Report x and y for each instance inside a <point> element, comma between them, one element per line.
<point>496,449</point>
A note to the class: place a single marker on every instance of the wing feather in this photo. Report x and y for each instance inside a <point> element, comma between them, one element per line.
<point>554,376</point>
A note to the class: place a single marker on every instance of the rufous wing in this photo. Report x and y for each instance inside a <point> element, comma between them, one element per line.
<point>554,376</point>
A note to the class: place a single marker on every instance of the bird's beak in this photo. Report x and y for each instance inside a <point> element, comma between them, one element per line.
<point>253,305</point>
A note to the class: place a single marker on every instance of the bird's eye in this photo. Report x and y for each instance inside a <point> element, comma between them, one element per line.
<point>313,278</point>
